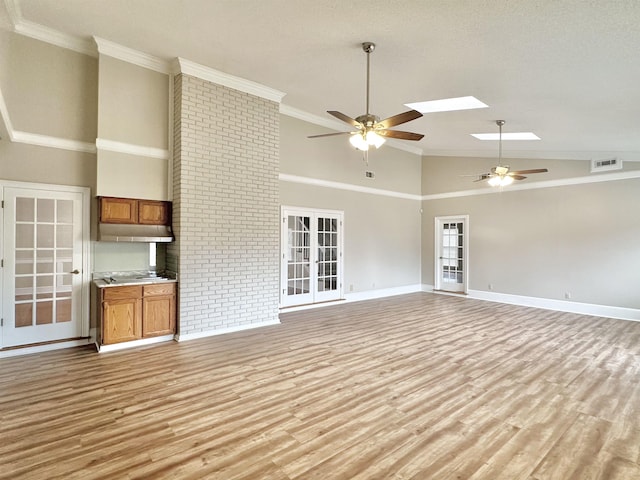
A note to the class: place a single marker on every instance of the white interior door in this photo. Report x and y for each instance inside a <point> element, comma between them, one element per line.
<point>311,269</point>
<point>44,242</point>
<point>451,273</point>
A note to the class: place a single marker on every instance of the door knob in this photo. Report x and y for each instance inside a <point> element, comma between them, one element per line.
<point>75,272</point>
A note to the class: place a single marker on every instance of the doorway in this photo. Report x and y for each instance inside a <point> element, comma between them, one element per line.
<point>45,279</point>
<point>311,257</point>
<point>451,253</point>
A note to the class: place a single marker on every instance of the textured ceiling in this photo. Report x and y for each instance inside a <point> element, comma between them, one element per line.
<point>567,70</point>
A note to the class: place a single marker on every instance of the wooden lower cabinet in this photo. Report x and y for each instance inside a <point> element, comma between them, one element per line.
<point>159,310</point>
<point>135,312</point>
<point>121,314</point>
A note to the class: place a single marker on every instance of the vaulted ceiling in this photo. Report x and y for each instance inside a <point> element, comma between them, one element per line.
<point>567,70</point>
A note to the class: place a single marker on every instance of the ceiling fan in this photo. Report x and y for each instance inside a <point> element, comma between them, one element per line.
<point>501,175</point>
<point>370,130</point>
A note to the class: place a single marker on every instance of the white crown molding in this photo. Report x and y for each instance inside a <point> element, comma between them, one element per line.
<point>55,37</point>
<point>53,142</point>
<point>129,55</point>
<point>346,186</point>
<point>131,149</point>
<point>4,112</point>
<point>626,156</point>
<point>311,118</point>
<point>215,76</point>
<point>14,11</point>
<point>340,127</point>
<point>563,182</point>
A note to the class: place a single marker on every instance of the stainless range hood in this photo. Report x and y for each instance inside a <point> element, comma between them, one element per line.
<point>116,232</point>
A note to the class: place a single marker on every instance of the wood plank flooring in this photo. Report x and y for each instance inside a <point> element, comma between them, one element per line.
<point>418,386</point>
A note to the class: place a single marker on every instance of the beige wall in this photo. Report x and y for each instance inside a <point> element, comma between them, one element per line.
<point>133,105</point>
<point>577,239</point>
<point>381,233</point>
<point>48,90</point>
<point>133,108</point>
<point>333,159</point>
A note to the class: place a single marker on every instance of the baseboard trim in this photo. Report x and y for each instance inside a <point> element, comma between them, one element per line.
<point>134,343</point>
<point>16,352</point>
<point>222,331</point>
<point>607,311</point>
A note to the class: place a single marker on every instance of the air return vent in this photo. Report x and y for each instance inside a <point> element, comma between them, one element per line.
<point>606,164</point>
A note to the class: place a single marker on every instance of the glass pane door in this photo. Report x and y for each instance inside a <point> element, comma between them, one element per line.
<point>451,260</point>
<point>298,259</point>
<point>327,261</point>
<point>43,237</point>
<point>311,257</point>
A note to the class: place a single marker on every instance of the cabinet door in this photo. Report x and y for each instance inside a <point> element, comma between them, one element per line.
<point>151,212</point>
<point>118,210</point>
<point>121,320</point>
<point>159,314</point>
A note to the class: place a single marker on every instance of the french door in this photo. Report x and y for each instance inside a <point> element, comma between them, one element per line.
<point>311,262</point>
<point>45,274</point>
<point>451,272</point>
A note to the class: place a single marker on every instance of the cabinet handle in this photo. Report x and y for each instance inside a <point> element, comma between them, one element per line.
<point>75,272</point>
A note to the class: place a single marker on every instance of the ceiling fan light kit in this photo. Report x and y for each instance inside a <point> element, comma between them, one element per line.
<point>500,175</point>
<point>370,130</point>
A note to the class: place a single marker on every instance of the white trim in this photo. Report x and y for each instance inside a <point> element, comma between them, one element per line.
<point>358,297</point>
<point>133,343</point>
<point>14,11</point>
<point>131,149</point>
<point>16,352</point>
<point>628,156</point>
<point>206,73</point>
<point>54,37</point>
<point>311,118</point>
<point>53,142</point>
<point>5,117</point>
<point>346,186</point>
<point>340,127</point>
<point>222,331</point>
<point>562,182</point>
<point>129,55</point>
<point>621,313</point>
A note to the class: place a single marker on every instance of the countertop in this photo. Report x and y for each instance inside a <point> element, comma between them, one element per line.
<point>120,279</point>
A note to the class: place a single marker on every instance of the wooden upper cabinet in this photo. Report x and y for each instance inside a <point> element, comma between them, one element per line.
<point>118,210</point>
<point>151,212</point>
<point>134,211</point>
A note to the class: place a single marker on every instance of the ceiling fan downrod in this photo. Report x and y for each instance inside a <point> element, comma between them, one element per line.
<point>368,47</point>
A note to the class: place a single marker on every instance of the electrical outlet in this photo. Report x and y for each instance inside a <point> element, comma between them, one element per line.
<point>491,286</point>
<point>567,295</point>
<point>351,287</point>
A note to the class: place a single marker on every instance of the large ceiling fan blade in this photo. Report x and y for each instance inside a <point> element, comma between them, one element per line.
<point>399,119</point>
<point>517,177</point>
<point>400,135</point>
<point>525,172</point>
<point>329,134</point>
<point>345,118</point>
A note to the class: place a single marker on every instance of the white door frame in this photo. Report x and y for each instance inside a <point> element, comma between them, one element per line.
<point>86,250</point>
<point>438,222</point>
<point>314,296</point>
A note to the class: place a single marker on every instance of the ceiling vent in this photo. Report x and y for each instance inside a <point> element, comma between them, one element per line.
<point>606,165</point>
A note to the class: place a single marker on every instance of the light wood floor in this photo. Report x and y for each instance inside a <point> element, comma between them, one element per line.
<point>419,386</point>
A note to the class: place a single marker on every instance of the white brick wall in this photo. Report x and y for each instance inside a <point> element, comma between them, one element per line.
<point>225,207</point>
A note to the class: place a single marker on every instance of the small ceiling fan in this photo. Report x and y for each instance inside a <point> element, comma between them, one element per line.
<point>501,175</point>
<point>370,130</point>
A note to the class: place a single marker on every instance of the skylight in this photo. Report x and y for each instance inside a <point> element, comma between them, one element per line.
<point>506,136</point>
<point>447,105</point>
